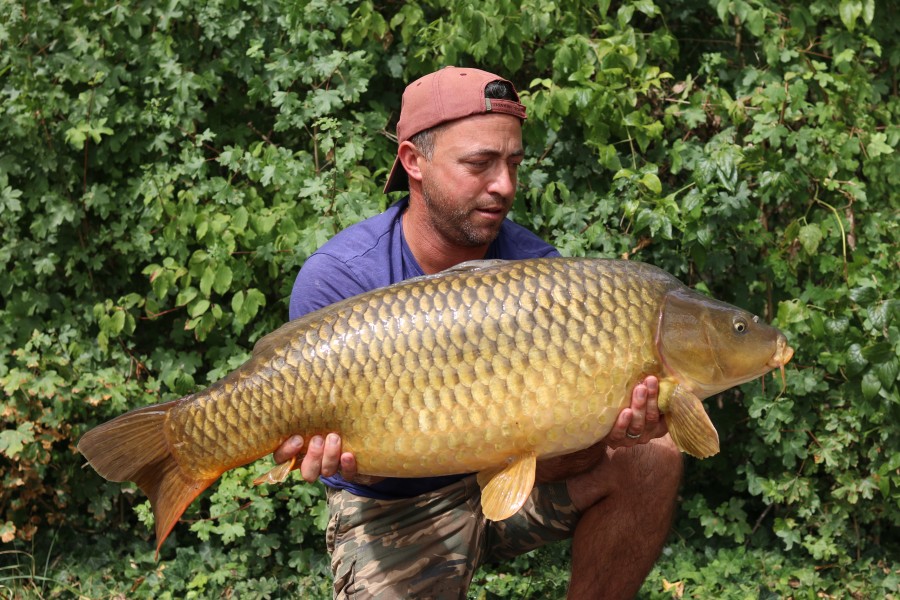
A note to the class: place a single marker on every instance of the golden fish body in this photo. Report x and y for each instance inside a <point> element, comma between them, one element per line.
<point>484,368</point>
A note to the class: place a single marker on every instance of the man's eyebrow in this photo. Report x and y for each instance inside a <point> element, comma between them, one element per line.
<point>491,152</point>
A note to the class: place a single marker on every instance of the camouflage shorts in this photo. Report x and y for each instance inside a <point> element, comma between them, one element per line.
<point>429,546</point>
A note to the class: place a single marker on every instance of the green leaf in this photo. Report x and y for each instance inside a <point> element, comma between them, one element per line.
<point>850,10</point>
<point>810,235</point>
<point>870,386</point>
<point>856,362</point>
<point>237,303</point>
<point>223,279</point>
<point>792,311</point>
<point>12,441</point>
<point>887,372</point>
<point>652,183</point>
<point>878,145</point>
<point>864,294</point>
<point>868,11</point>
<point>880,352</point>
<point>117,322</point>
<point>837,325</point>
<point>647,7</point>
<point>881,314</point>
<point>207,280</point>
<point>199,308</point>
<point>185,296</point>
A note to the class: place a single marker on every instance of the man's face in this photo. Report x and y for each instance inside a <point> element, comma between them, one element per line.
<point>470,182</point>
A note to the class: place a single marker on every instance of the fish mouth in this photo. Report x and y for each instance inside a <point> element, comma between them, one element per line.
<point>783,353</point>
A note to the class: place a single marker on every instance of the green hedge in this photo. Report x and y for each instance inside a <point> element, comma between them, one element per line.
<point>165,169</point>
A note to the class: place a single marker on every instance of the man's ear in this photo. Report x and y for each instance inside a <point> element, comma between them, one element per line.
<point>411,159</point>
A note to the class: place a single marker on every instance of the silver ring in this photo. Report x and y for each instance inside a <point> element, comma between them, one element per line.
<point>632,436</point>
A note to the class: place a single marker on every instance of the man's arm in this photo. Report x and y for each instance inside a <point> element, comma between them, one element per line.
<point>323,280</point>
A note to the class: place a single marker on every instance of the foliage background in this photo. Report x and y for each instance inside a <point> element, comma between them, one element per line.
<point>166,167</point>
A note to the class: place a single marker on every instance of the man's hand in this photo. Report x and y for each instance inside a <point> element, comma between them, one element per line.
<point>641,421</point>
<point>323,457</point>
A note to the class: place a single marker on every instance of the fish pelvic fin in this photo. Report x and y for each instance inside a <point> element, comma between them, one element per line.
<point>276,474</point>
<point>505,489</point>
<point>133,447</point>
<point>689,425</point>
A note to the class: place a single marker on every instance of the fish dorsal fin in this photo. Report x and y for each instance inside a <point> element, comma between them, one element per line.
<point>505,489</point>
<point>688,423</point>
<point>475,265</point>
<point>274,339</point>
<point>464,267</point>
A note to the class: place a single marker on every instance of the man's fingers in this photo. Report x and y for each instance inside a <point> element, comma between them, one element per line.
<point>289,449</point>
<point>331,458</point>
<point>638,411</point>
<point>348,466</point>
<point>623,422</point>
<point>311,466</point>
<point>652,385</point>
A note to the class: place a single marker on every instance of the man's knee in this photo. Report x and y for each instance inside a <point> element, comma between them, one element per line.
<point>654,468</point>
<point>666,460</point>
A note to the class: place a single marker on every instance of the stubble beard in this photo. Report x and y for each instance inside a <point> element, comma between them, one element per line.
<point>454,223</point>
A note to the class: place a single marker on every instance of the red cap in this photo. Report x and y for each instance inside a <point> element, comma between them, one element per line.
<point>446,95</point>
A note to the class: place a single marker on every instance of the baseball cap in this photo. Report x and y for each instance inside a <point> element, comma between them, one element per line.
<point>446,95</point>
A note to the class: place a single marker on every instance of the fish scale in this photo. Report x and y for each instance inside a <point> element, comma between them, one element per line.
<point>483,368</point>
<point>424,342</point>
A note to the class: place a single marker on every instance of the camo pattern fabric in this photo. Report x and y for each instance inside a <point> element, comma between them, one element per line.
<point>430,546</point>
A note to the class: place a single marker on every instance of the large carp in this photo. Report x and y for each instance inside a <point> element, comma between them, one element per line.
<point>483,368</point>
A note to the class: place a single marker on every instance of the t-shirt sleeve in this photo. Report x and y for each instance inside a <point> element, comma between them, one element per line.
<point>323,280</point>
<point>517,242</point>
<point>551,253</point>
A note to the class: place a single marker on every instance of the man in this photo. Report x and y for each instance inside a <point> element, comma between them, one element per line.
<point>460,145</point>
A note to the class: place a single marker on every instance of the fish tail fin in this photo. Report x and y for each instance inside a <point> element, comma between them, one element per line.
<point>133,447</point>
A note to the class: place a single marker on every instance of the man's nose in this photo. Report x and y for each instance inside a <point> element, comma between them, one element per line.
<point>503,182</point>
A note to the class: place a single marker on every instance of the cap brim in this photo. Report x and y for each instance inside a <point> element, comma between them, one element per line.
<point>397,180</point>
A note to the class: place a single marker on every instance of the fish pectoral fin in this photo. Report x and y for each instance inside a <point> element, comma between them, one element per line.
<point>505,489</point>
<point>276,474</point>
<point>689,425</point>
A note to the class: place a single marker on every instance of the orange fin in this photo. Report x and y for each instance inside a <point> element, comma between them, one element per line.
<point>505,489</point>
<point>276,474</point>
<point>133,447</point>
<point>689,425</point>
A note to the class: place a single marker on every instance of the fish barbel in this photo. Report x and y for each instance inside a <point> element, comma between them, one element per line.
<point>483,368</point>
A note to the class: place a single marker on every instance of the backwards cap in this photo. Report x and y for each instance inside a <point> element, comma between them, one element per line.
<point>446,95</point>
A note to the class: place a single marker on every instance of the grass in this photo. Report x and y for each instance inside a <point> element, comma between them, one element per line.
<point>123,568</point>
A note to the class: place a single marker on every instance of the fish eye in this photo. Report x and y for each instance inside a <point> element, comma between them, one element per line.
<point>740,325</point>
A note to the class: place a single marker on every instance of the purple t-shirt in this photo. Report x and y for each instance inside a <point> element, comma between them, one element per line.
<point>373,254</point>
